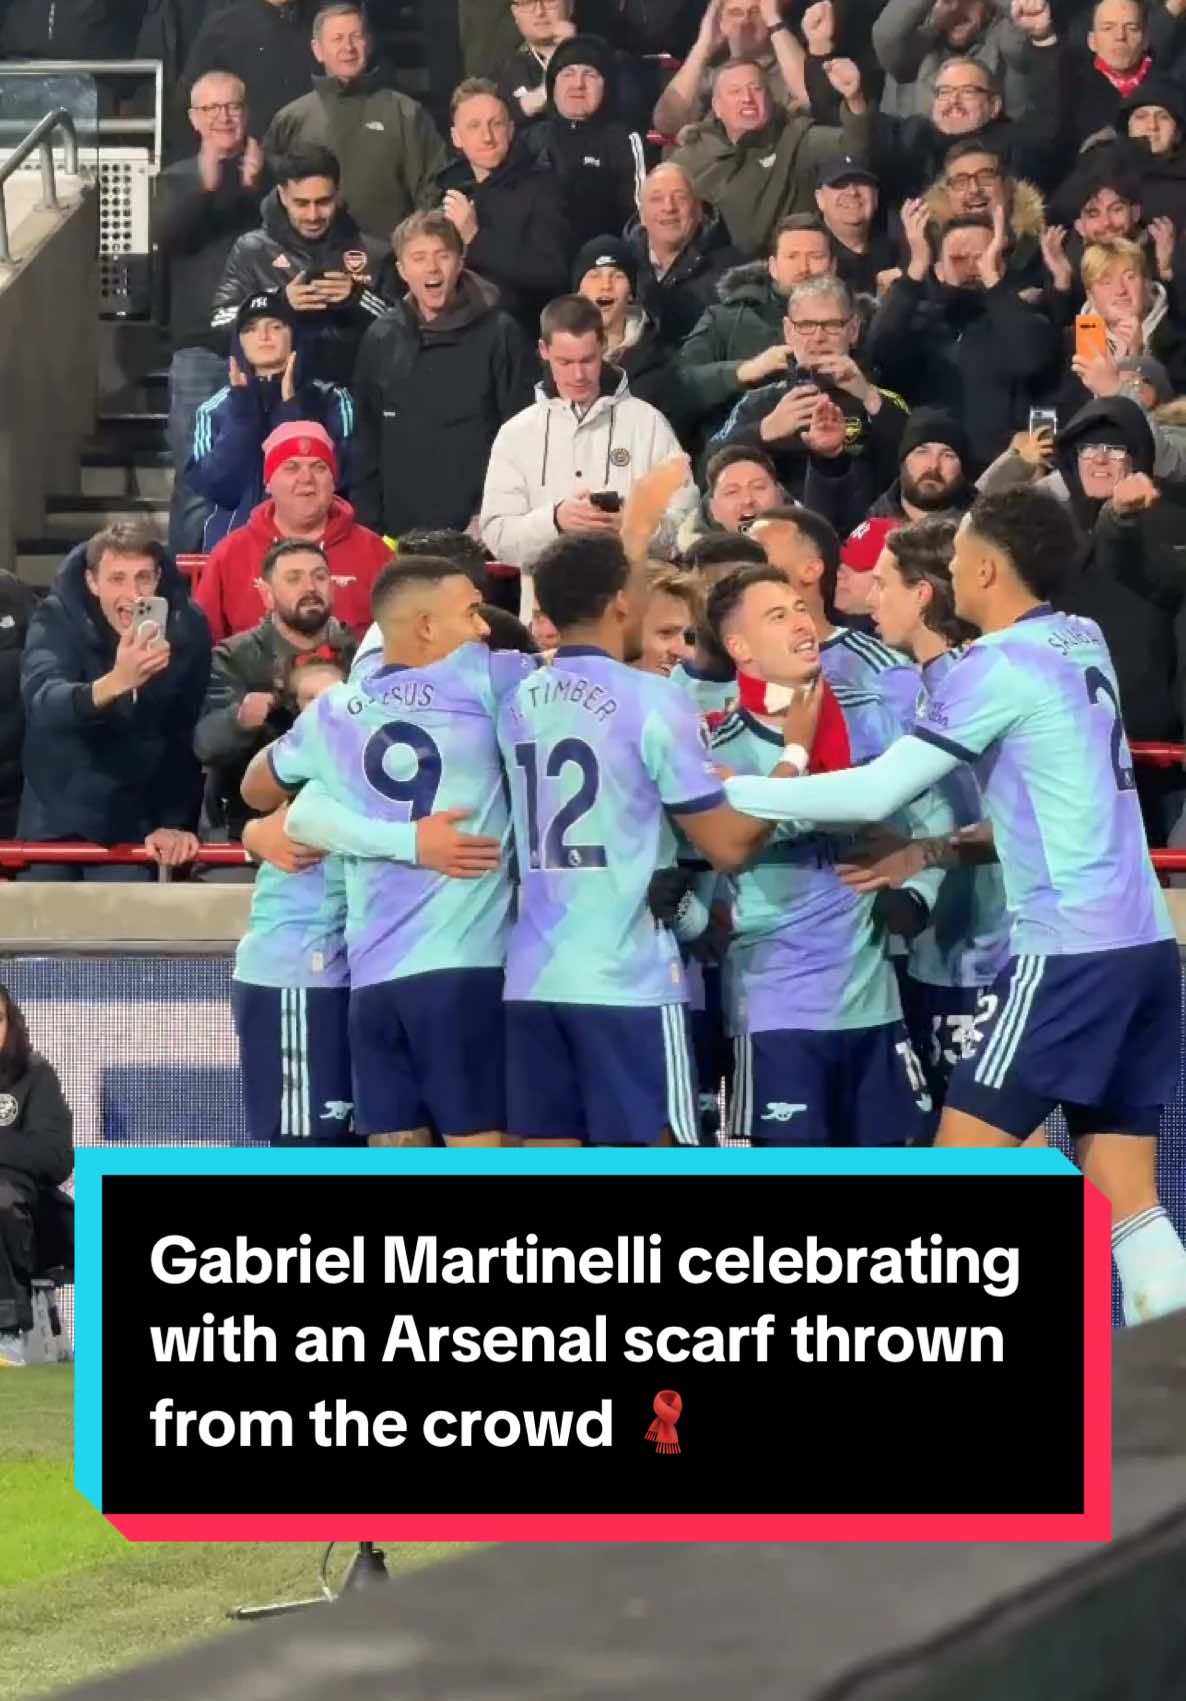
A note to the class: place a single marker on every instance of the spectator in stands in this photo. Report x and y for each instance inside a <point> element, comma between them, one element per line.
<point>36,1153</point>
<point>974,181</point>
<point>1100,200</point>
<point>543,25</point>
<point>250,699</point>
<point>300,470</point>
<point>508,210</point>
<point>954,335</point>
<point>1127,44</point>
<point>738,341</point>
<point>679,254</point>
<point>387,146</point>
<point>847,198</point>
<point>604,273</point>
<point>824,407</point>
<point>267,388</point>
<point>265,43</point>
<point>740,483</point>
<point>62,29</point>
<point>110,705</point>
<point>203,205</point>
<point>565,463</point>
<point>1140,315</point>
<point>754,162</point>
<point>670,616</point>
<point>914,39</point>
<point>311,247</point>
<point>167,32</point>
<point>1155,120</point>
<point>908,153</point>
<point>932,455</point>
<point>599,161</point>
<point>436,378</point>
<point>856,594</point>
<point>461,548</point>
<point>753,30</point>
<point>17,603</point>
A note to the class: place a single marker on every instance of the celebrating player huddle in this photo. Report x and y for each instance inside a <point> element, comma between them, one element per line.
<point>478,957</point>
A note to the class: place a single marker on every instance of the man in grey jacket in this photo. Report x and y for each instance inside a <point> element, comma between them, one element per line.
<point>913,39</point>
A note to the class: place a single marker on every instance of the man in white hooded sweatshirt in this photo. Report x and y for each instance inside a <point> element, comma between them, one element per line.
<point>567,462</point>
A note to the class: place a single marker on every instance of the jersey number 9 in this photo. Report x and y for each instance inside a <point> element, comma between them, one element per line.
<point>419,790</point>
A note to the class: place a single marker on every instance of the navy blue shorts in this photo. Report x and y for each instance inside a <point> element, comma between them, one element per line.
<point>428,1052</point>
<point>942,1024</point>
<point>294,1055</point>
<point>1097,1034</point>
<point>855,1087</point>
<point>606,1074</point>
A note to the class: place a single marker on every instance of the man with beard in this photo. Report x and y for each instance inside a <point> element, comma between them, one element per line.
<point>955,335</point>
<point>913,38</point>
<point>932,459</point>
<point>250,699</point>
<point>300,471</point>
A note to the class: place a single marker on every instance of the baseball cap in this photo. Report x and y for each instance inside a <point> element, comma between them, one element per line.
<point>845,169</point>
<point>862,547</point>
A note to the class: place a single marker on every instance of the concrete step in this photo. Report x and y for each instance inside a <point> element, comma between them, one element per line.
<point>70,518</point>
<point>111,475</point>
<point>37,560</point>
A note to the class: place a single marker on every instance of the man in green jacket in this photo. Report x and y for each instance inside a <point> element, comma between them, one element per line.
<point>388,147</point>
<point>756,163</point>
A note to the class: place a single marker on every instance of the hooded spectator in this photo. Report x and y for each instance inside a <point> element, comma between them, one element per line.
<point>823,412</point>
<point>599,161</point>
<point>268,387</point>
<point>300,471</point>
<point>110,705</point>
<point>436,379</point>
<point>567,462</point>
<point>309,245</point>
<point>202,206</point>
<point>250,699</point>
<point>754,162</point>
<point>974,181</point>
<point>265,43</point>
<point>509,210</point>
<point>680,254</point>
<point>738,341</point>
<point>1127,43</point>
<point>952,334</point>
<point>933,455</point>
<point>1154,118</point>
<point>604,272</point>
<point>847,197</point>
<point>521,78</point>
<point>388,147</point>
<point>914,39</point>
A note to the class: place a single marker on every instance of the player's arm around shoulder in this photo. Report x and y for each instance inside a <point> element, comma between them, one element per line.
<point>677,757</point>
<point>277,771</point>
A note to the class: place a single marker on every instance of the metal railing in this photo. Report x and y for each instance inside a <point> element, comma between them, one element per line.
<point>39,137</point>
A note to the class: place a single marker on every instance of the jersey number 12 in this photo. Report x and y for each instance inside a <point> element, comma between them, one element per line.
<point>551,849</point>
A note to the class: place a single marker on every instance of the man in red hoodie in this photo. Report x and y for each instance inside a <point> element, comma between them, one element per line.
<point>300,470</point>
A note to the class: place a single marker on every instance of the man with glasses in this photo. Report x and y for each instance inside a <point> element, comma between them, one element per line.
<point>913,38</point>
<point>974,180</point>
<point>203,205</point>
<point>263,42</point>
<point>847,198</point>
<point>824,409</point>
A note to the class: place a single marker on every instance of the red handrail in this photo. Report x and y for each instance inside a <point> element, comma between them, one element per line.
<point>1160,755</point>
<point>18,853</point>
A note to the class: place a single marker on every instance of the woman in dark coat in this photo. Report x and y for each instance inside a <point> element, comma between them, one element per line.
<point>36,1152</point>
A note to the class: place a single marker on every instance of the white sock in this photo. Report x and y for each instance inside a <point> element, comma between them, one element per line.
<point>1152,1265</point>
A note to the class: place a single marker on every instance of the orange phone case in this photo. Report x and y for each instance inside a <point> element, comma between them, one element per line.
<point>1091,337</point>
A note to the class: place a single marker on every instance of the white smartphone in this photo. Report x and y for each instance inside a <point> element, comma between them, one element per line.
<point>1044,419</point>
<point>150,611</point>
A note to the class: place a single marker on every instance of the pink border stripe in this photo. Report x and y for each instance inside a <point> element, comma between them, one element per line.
<point>1094,1523</point>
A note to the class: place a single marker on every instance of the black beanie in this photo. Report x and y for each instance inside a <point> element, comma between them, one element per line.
<point>933,425</point>
<point>606,251</point>
<point>583,50</point>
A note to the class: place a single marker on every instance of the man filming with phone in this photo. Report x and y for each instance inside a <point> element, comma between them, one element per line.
<point>113,678</point>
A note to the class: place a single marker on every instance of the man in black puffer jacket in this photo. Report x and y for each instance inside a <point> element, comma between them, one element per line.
<point>336,279</point>
<point>509,210</point>
<point>110,706</point>
<point>437,377</point>
<point>600,162</point>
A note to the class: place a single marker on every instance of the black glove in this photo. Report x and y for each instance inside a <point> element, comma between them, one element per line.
<point>900,911</point>
<point>667,891</point>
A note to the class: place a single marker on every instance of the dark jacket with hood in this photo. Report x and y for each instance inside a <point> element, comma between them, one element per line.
<point>258,660</point>
<point>195,231</point>
<point>977,353</point>
<point>431,398</point>
<point>599,161</point>
<point>1162,177</point>
<point>1024,267</point>
<point>745,319</point>
<point>64,29</point>
<point>522,245</point>
<point>1126,578</point>
<point>226,461</point>
<point>273,256</point>
<point>17,604</point>
<point>37,1137</point>
<point>676,300</point>
<point>1096,104</point>
<point>388,147</point>
<point>650,367</point>
<point>111,775</point>
<point>266,46</point>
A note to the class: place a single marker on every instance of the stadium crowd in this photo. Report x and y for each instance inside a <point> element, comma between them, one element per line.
<point>651,357</point>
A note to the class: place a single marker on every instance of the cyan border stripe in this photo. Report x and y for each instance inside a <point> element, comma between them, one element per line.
<point>93,1163</point>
